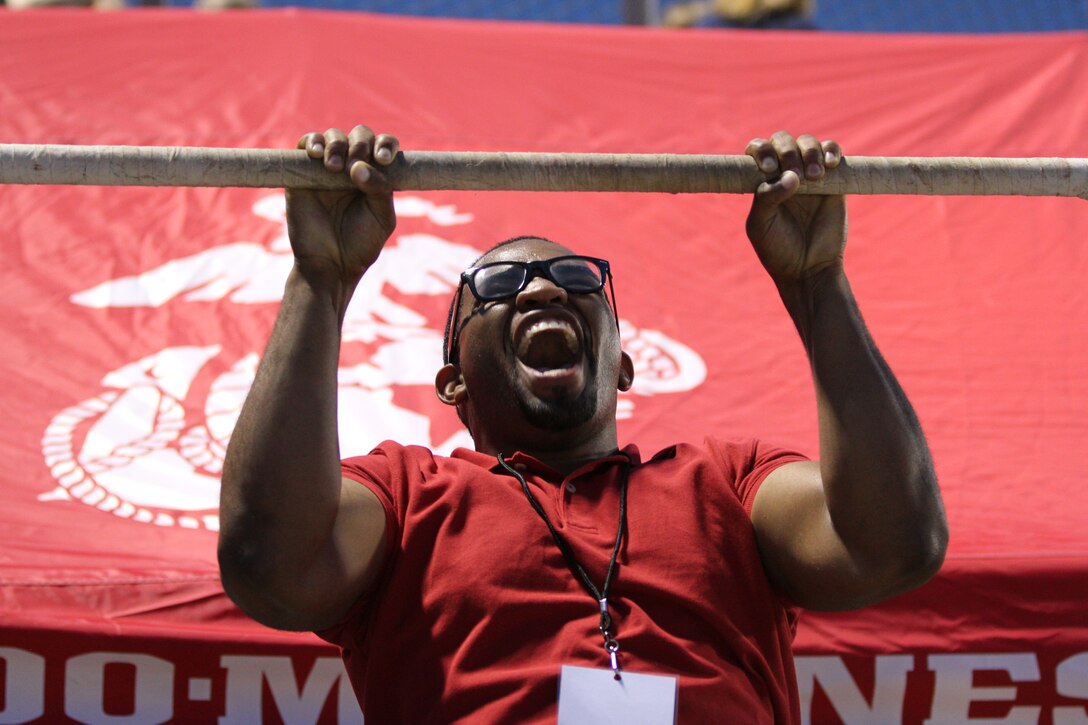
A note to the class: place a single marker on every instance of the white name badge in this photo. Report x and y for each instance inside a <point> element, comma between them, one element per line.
<point>591,695</point>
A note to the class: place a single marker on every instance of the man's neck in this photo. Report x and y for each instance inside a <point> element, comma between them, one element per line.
<point>563,460</point>
<point>567,465</point>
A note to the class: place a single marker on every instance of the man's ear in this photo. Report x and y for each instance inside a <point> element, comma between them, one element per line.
<point>449,385</point>
<point>627,372</point>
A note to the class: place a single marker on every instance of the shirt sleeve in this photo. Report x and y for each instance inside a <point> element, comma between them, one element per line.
<point>749,462</point>
<point>375,471</point>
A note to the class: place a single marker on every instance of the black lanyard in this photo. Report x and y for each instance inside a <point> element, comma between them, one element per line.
<point>611,646</point>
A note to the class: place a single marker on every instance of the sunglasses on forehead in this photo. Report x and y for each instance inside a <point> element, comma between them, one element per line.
<point>493,281</point>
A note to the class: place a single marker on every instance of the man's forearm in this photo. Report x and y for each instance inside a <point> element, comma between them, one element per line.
<point>281,477</point>
<point>878,476</point>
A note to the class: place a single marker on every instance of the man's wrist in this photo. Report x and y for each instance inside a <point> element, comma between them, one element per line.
<point>829,278</point>
<point>323,279</point>
<point>805,298</point>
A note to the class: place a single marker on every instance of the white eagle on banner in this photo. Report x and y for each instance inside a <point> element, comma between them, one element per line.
<point>141,451</point>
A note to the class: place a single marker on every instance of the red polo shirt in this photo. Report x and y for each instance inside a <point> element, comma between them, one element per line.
<point>476,609</point>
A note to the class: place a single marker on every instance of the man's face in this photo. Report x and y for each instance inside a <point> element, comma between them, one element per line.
<point>545,356</point>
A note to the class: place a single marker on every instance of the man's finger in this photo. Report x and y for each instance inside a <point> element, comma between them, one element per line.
<point>314,143</point>
<point>789,155</point>
<point>774,193</point>
<point>369,179</point>
<point>379,193</point>
<point>769,195</point>
<point>360,145</point>
<point>386,148</point>
<point>832,153</point>
<point>763,152</point>
<point>336,148</point>
<point>812,156</point>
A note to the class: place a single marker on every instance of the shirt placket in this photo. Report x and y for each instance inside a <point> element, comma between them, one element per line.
<point>587,503</point>
<point>545,490</point>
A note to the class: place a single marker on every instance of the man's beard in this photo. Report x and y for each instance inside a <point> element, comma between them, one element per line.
<point>559,413</point>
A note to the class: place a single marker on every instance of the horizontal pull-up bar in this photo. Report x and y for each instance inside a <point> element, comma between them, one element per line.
<point>500,171</point>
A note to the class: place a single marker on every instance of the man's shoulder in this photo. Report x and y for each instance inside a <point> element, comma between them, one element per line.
<point>732,447</point>
<point>391,457</point>
<point>743,461</point>
<point>749,447</point>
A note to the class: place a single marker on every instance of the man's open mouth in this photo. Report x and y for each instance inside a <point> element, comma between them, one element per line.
<point>548,343</point>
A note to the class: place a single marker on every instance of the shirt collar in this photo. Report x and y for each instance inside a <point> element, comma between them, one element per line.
<point>628,453</point>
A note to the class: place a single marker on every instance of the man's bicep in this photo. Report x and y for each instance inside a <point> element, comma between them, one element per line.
<point>354,557</point>
<point>800,549</point>
<point>361,532</point>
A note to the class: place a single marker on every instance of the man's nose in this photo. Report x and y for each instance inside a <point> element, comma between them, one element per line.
<point>541,291</point>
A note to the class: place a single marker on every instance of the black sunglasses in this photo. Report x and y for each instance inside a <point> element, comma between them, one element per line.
<point>499,280</point>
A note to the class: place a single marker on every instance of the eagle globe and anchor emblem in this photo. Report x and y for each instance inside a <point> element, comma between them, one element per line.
<point>144,450</point>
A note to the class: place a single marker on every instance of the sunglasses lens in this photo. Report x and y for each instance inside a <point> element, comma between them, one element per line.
<point>497,281</point>
<point>577,275</point>
<point>505,279</point>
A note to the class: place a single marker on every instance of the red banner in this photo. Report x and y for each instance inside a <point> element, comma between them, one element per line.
<point>133,320</point>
